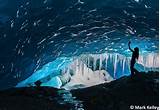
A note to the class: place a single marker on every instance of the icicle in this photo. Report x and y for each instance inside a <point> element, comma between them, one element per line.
<point>76,66</point>
<point>88,63</point>
<point>94,63</point>
<point>124,61</point>
<point>106,60</point>
<point>150,60</point>
<point>79,67</point>
<point>82,68</point>
<point>115,65</point>
<point>100,62</point>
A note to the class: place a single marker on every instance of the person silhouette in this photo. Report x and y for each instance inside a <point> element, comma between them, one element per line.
<point>135,56</point>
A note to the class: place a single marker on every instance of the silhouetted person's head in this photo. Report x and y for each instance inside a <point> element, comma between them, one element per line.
<point>136,49</point>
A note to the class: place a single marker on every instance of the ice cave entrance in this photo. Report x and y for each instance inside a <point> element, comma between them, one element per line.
<point>88,70</point>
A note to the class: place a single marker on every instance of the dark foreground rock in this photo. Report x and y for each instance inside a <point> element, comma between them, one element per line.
<point>142,90</point>
<point>30,99</point>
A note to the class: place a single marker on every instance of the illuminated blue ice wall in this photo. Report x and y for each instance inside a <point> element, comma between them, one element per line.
<point>63,70</point>
<point>36,32</point>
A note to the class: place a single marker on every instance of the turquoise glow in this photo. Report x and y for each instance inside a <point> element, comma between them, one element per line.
<point>54,82</point>
<point>52,68</point>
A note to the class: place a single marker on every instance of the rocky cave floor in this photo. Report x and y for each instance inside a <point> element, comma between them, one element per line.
<point>141,89</point>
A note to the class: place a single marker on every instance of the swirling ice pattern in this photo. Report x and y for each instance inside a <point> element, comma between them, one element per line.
<point>36,32</point>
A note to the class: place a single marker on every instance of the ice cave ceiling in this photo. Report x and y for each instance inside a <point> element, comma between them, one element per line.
<point>36,32</point>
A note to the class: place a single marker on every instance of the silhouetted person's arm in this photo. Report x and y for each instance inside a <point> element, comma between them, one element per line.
<point>130,46</point>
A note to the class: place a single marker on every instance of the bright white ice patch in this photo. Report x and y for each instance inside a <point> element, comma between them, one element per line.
<point>136,0</point>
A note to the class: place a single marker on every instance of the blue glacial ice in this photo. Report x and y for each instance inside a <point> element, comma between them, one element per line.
<point>51,69</point>
<point>88,70</point>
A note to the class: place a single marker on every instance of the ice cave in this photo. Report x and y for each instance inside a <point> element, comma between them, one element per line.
<point>88,70</point>
<point>75,43</point>
<point>79,54</point>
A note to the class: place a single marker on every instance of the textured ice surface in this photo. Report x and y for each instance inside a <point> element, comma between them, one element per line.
<point>88,70</point>
<point>52,69</point>
<point>36,32</point>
